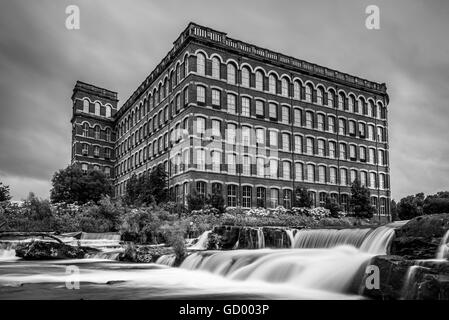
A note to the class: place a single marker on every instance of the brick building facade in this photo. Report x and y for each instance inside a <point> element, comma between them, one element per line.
<point>221,114</point>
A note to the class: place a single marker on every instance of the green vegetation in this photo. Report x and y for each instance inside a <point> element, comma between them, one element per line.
<point>359,202</point>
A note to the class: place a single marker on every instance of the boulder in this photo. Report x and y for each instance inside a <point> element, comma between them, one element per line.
<point>410,280</point>
<point>420,237</point>
<point>225,237</point>
<point>144,254</point>
<point>46,250</point>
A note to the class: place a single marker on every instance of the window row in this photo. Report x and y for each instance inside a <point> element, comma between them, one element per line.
<point>97,108</point>
<point>95,132</point>
<point>96,151</point>
<point>272,83</point>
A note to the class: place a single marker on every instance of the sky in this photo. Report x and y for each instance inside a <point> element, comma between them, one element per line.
<point>120,42</point>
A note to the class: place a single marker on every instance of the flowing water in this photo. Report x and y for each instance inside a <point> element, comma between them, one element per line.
<point>322,264</point>
<point>443,249</point>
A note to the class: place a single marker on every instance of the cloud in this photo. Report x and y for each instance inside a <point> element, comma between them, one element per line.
<point>120,42</point>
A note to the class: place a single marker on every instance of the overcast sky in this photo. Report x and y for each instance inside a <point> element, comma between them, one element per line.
<point>120,42</point>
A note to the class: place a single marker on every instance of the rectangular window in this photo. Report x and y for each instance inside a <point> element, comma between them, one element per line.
<point>286,170</point>
<point>273,169</point>
<point>245,136</point>
<point>273,138</point>
<point>274,198</point>
<point>298,144</point>
<point>272,111</point>
<point>246,197</point>
<point>297,117</point>
<point>259,108</point>
<point>232,195</point>
<point>285,114</point>
<point>260,136</point>
<point>231,103</point>
<point>216,161</point>
<point>246,169</point>
<point>201,94</point>
<point>261,197</point>
<point>216,97</point>
<point>260,167</point>
<point>285,142</point>
<point>216,128</point>
<point>200,126</point>
<point>331,124</point>
<point>320,122</point>
<point>245,107</point>
<point>201,159</point>
<point>343,177</point>
<point>231,133</point>
<point>309,120</point>
<point>309,146</point>
<point>231,163</point>
<point>298,171</point>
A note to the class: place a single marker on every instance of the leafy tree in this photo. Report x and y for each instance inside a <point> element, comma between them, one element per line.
<point>394,210</point>
<point>147,188</point>
<point>410,206</point>
<point>302,198</point>
<point>216,200</point>
<point>333,206</point>
<point>72,185</point>
<point>360,201</point>
<point>4,193</point>
<point>437,203</point>
<point>195,201</point>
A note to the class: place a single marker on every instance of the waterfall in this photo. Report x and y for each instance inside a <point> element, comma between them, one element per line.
<point>443,249</point>
<point>106,254</point>
<point>167,259</point>
<point>291,235</point>
<point>332,270</point>
<point>260,239</point>
<point>378,241</point>
<point>7,251</point>
<point>202,242</point>
<point>100,236</point>
<point>328,238</point>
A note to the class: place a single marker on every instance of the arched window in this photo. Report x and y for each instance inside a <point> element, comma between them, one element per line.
<point>245,77</point>
<point>284,87</point>
<point>108,111</point>
<point>309,90</point>
<point>274,198</point>
<point>309,146</point>
<point>343,177</point>
<point>97,108</point>
<point>297,90</point>
<point>341,101</point>
<point>215,68</point>
<point>85,130</point>
<point>330,98</point>
<point>97,132</point>
<point>351,103</point>
<point>309,119</point>
<point>232,195</point>
<point>86,106</point>
<point>259,80</point>
<point>201,188</point>
<point>231,73</point>
<point>320,95</point>
<point>272,84</point>
<point>261,197</point>
<point>286,170</point>
<point>333,175</point>
<point>201,64</point>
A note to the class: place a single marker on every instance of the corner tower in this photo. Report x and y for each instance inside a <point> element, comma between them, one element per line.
<point>93,133</point>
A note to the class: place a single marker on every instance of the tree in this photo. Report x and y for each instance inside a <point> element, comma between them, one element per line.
<point>437,203</point>
<point>4,193</point>
<point>394,210</point>
<point>302,198</point>
<point>360,201</point>
<point>147,188</point>
<point>195,201</point>
<point>72,185</point>
<point>332,206</point>
<point>410,206</point>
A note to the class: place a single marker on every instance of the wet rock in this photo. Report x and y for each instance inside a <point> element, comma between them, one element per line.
<point>45,250</point>
<point>144,254</point>
<point>409,279</point>
<point>420,237</point>
<point>226,237</point>
<point>392,272</point>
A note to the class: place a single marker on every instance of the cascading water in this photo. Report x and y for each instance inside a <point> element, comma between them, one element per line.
<point>201,244</point>
<point>7,251</point>
<point>443,249</point>
<point>325,269</point>
<point>167,259</point>
<point>260,239</point>
<point>328,238</point>
<point>291,236</point>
